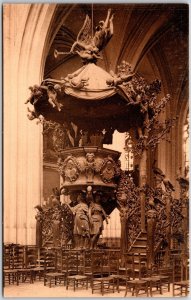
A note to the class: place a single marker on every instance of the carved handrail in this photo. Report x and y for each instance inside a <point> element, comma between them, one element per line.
<point>157,246</point>
<point>134,241</point>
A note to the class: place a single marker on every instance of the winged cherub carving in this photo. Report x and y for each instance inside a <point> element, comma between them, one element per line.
<point>88,46</point>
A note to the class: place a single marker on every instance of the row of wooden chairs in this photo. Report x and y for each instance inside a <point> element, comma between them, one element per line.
<point>104,270</point>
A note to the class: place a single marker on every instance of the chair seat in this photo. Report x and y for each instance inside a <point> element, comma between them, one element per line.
<point>153,279</point>
<point>37,269</point>
<point>137,285</point>
<point>162,276</point>
<point>117,276</point>
<point>9,271</point>
<point>182,283</point>
<point>24,270</point>
<point>137,281</point>
<point>77,277</point>
<point>108,278</point>
<point>55,274</point>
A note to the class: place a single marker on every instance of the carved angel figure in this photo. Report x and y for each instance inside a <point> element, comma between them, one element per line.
<point>88,47</point>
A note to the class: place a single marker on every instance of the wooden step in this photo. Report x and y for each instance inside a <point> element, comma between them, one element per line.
<point>140,242</point>
<point>139,249</point>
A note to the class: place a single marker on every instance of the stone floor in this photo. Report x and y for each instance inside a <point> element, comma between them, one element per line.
<point>38,290</point>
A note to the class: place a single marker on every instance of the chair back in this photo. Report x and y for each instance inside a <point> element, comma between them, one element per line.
<point>50,259</point>
<point>180,268</point>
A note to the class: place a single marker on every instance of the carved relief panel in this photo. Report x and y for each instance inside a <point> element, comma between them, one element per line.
<point>89,167</point>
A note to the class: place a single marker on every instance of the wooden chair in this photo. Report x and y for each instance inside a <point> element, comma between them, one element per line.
<point>118,273</point>
<point>101,279</point>
<point>133,283</point>
<point>75,274</point>
<point>16,270</point>
<point>9,272</point>
<point>24,273</point>
<point>165,275</point>
<point>180,277</point>
<point>54,267</point>
<point>35,261</point>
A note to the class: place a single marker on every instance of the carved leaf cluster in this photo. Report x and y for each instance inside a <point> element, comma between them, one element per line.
<point>128,199</point>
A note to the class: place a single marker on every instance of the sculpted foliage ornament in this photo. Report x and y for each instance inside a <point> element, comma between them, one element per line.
<point>56,223</point>
<point>128,199</point>
<point>144,97</point>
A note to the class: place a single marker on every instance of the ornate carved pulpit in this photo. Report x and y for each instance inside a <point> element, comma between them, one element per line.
<point>81,112</point>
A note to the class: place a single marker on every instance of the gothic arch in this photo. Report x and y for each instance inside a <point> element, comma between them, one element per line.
<point>27,36</point>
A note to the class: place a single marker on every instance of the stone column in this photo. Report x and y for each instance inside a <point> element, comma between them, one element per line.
<point>25,32</point>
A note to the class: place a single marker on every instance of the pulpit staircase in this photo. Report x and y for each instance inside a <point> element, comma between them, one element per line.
<point>139,250</point>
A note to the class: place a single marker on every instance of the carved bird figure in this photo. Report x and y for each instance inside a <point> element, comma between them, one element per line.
<point>157,171</point>
<point>168,185</point>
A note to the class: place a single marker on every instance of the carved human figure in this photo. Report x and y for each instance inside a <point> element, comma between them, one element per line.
<point>81,223</point>
<point>90,163</point>
<point>39,220</point>
<point>151,225</point>
<point>96,215</point>
<point>108,171</point>
<point>124,228</point>
<point>71,172</point>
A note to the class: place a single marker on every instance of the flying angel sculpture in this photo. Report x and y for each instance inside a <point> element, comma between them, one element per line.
<point>88,46</point>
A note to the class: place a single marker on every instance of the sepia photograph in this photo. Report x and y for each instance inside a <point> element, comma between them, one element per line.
<point>95,150</point>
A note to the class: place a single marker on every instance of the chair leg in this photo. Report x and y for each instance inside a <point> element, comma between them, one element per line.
<point>136,291</point>
<point>102,291</point>
<point>151,289</point>
<point>160,287</point>
<point>186,291</point>
<point>17,278</point>
<point>147,289</point>
<point>118,285</point>
<point>125,289</point>
<point>133,291</point>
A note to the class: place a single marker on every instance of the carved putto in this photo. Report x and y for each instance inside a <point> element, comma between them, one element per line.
<point>123,76</point>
